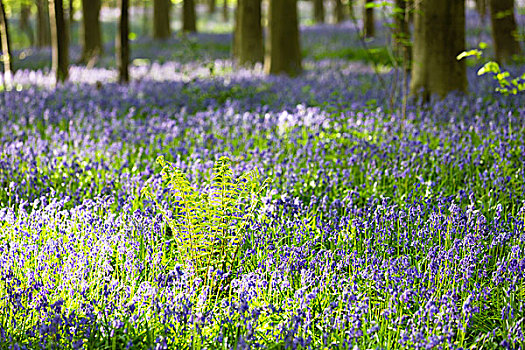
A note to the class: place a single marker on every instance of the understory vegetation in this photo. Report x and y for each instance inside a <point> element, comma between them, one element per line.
<point>307,212</point>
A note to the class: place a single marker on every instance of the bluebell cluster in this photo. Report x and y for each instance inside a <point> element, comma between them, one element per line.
<point>379,229</point>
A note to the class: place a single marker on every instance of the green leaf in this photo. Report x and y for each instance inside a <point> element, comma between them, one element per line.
<point>489,67</point>
<point>470,53</point>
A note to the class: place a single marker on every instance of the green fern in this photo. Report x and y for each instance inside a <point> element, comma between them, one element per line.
<point>208,227</point>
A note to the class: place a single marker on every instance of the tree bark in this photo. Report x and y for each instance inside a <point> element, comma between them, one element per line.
<point>70,21</point>
<point>504,30</point>
<point>92,47</point>
<point>122,42</point>
<point>283,52</point>
<point>189,20</point>
<point>6,47</point>
<point>439,36</point>
<point>339,13</point>
<point>43,30</point>
<point>481,8</point>
<point>401,37</point>
<point>71,12</point>
<point>351,12</point>
<point>319,11</point>
<point>248,32</point>
<point>368,21</point>
<point>59,43</point>
<point>225,13</point>
<point>145,18</point>
<point>212,6</point>
<point>161,19</point>
<point>25,24</point>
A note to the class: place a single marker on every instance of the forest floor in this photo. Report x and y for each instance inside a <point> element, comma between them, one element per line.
<point>308,212</point>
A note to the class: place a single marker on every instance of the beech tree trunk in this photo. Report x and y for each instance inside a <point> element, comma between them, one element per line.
<point>6,49</point>
<point>59,43</point>
<point>283,52</point>
<point>71,12</point>
<point>401,37</point>
<point>504,30</point>
<point>92,45</point>
<point>122,42</point>
<point>369,30</point>
<point>339,13</point>
<point>43,30</point>
<point>145,18</point>
<point>248,39</point>
<point>225,13</point>
<point>481,8</point>
<point>68,18</point>
<point>25,25</point>
<point>189,20</point>
<point>439,36</point>
<point>212,6</point>
<point>319,11</point>
<point>351,12</point>
<point>161,19</point>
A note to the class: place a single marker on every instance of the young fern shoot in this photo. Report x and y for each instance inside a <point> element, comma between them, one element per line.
<point>208,227</point>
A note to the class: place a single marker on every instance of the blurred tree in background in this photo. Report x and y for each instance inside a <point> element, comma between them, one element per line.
<point>161,19</point>
<point>283,52</point>
<point>92,44</point>
<point>439,31</point>
<point>122,42</point>
<point>59,42</point>
<point>4,39</point>
<point>248,36</point>
<point>439,36</point>
<point>504,29</point>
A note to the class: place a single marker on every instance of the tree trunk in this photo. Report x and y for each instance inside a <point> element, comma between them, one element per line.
<point>504,30</point>
<point>71,12</point>
<point>481,8</point>
<point>401,37</point>
<point>248,32</point>
<point>439,36</point>
<point>6,49</point>
<point>319,11</point>
<point>189,20</point>
<point>122,42</point>
<point>225,13</point>
<point>91,27</point>
<point>368,20</point>
<point>351,12</point>
<point>145,19</point>
<point>339,13</point>
<point>60,64</point>
<point>161,19</point>
<point>71,21</point>
<point>43,30</point>
<point>25,24</point>
<point>212,6</point>
<point>283,52</point>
